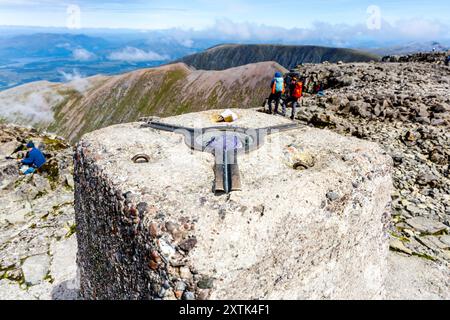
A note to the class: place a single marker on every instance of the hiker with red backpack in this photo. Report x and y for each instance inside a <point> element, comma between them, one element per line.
<point>277,86</point>
<point>295,94</point>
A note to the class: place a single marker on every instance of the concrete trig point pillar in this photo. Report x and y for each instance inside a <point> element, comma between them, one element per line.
<point>155,230</point>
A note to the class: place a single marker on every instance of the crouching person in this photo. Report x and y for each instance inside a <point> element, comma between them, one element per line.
<point>34,160</point>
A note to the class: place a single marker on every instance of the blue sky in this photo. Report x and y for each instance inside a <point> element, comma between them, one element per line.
<point>198,14</point>
<point>329,22</point>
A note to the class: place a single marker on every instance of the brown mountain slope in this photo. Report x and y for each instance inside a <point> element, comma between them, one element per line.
<point>100,101</point>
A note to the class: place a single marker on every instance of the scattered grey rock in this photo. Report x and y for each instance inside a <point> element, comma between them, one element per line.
<point>427,179</point>
<point>188,295</point>
<point>347,157</point>
<point>69,181</point>
<point>42,184</point>
<point>332,196</point>
<point>426,226</point>
<point>206,283</point>
<point>185,273</point>
<point>433,243</point>
<point>188,244</point>
<point>445,239</point>
<point>35,269</point>
<point>180,286</point>
<point>397,245</point>
<point>414,210</point>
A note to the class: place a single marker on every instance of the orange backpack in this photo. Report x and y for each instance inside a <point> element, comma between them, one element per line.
<point>298,90</point>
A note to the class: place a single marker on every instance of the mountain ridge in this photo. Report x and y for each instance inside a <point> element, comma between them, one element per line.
<point>87,104</point>
<point>289,56</point>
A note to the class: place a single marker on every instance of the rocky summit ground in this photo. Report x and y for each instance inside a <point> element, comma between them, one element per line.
<point>37,241</point>
<point>404,107</point>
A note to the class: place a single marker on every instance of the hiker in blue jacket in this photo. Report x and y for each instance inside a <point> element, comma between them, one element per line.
<point>34,160</point>
<point>277,86</point>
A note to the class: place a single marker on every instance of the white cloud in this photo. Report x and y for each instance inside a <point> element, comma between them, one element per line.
<point>423,29</point>
<point>322,33</point>
<point>32,106</point>
<point>76,81</point>
<point>135,55</point>
<point>33,103</point>
<point>83,54</point>
<point>188,43</point>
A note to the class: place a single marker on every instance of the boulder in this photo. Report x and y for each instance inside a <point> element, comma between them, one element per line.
<point>398,246</point>
<point>8,169</point>
<point>426,226</point>
<point>41,184</point>
<point>156,230</point>
<point>35,268</point>
<point>360,108</point>
<point>322,120</point>
<point>425,179</point>
<point>440,108</point>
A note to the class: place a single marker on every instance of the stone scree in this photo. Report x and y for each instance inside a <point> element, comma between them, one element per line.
<point>157,231</point>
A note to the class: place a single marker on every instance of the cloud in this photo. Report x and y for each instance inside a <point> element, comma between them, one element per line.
<point>322,33</point>
<point>423,29</point>
<point>132,54</point>
<point>188,43</point>
<point>33,103</point>
<point>30,107</point>
<point>75,80</point>
<point>83,54</point>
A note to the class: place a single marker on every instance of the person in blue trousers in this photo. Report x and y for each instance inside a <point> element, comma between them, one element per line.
<point>34,160</point>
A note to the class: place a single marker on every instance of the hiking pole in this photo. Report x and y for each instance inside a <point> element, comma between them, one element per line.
<point>10,157</point>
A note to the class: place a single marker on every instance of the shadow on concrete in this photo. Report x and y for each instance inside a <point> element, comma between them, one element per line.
<point>66,291</point>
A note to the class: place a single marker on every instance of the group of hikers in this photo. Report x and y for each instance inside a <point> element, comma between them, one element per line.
<point>288,89</point>
<point>285,90</point>
<point>33,161</point>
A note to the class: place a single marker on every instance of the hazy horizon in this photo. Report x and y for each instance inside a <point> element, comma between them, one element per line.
<point>343,23</point>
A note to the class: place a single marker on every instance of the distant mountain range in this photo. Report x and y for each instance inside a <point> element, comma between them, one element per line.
<point>61,57</point>
<point>29,54</point>
<point>233,55</point>
<point>83,105</point>
<point>411,48</point>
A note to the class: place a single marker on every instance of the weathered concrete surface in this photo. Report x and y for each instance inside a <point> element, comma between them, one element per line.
<point>156,230</point>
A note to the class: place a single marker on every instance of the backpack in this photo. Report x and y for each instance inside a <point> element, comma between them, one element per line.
<point>298,90</point>
<point>278,85</point>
